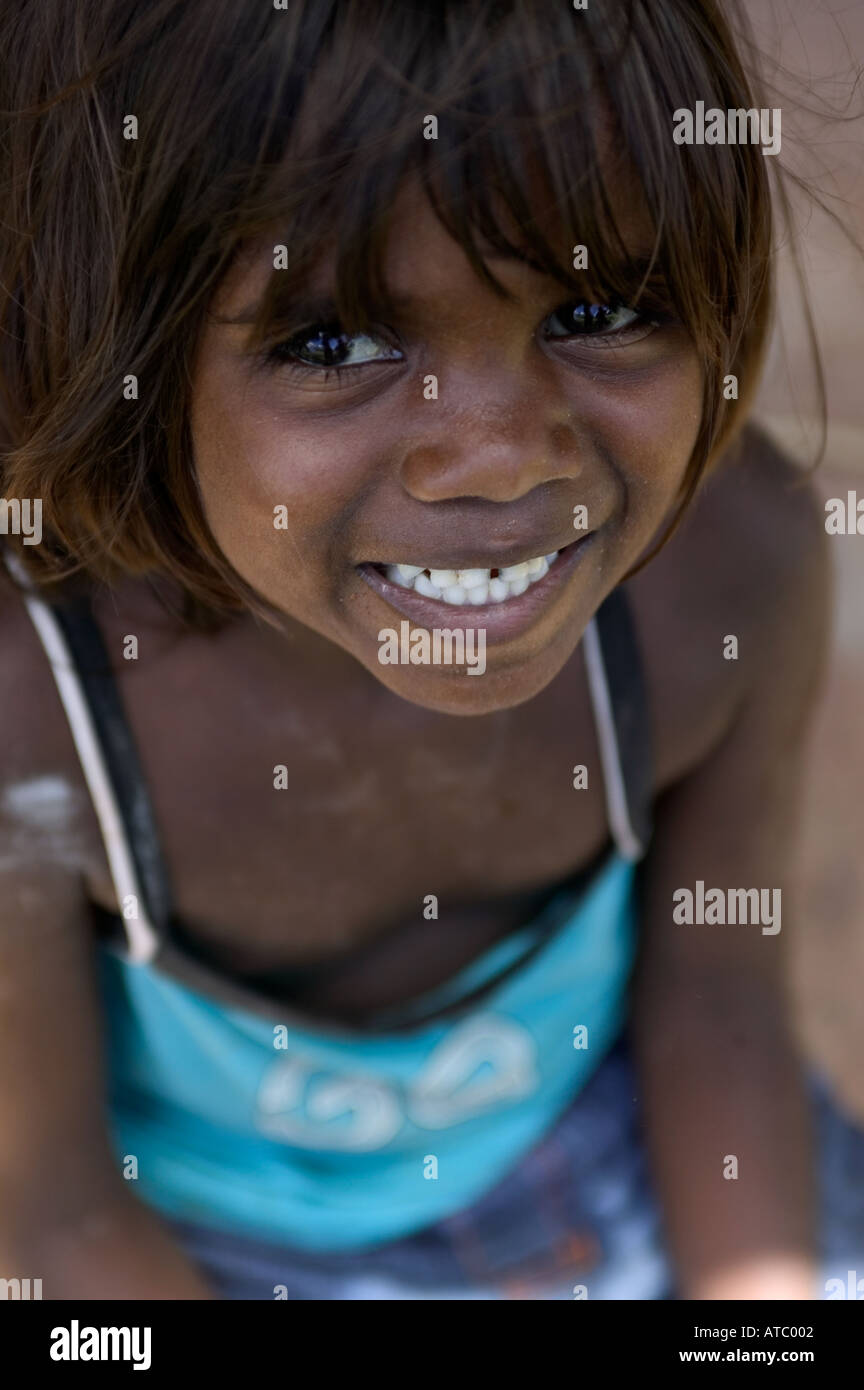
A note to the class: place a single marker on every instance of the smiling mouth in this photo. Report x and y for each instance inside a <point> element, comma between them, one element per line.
<point>475,585</point>
<point>507,601</point>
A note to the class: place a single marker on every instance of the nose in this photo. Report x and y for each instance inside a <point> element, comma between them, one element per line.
<point>495,438</point>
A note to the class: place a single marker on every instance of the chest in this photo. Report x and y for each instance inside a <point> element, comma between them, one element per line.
<point>305,823</point>
<point>306,826</point>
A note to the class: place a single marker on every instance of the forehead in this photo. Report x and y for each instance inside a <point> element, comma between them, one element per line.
<point>423,263</point>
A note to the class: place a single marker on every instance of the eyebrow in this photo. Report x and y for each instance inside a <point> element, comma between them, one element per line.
<point>309,307</point>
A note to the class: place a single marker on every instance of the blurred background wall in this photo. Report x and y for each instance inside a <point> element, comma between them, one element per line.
<point>815,53</point>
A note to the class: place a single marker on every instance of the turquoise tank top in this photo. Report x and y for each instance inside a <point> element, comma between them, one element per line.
<point>238,1114</point>
<point>328,1141</point>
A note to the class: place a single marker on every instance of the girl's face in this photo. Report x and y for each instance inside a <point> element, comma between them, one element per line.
<point>467,433</point>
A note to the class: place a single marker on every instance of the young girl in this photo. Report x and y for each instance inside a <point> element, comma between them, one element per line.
<point>408,658</point>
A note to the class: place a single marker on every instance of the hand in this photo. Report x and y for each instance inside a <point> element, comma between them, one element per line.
<point>789,1277</point>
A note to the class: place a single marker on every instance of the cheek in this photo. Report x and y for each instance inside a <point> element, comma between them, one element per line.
<point>273,487</point>
<point>648,428</point>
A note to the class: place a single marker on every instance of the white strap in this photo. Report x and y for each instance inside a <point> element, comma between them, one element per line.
<point>142,939</point>
<point>617,806</point>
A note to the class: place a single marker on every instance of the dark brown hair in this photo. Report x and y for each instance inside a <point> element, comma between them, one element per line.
<point>304,121</point>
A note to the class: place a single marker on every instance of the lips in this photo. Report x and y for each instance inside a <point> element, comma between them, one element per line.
<point>470,555</point>
<point>502,618</point>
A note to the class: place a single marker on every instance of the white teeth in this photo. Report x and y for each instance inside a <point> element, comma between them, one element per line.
<point>515,572</point>
<point>424,586</point>
<point>471,586</point>
<point>443,578</point>
<point>469,579</point>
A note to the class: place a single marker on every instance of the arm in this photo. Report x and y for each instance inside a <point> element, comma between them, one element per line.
<point>67,1216</point>
<point>712,1027</point>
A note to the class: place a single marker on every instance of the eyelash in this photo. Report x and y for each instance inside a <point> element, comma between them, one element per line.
<point>276,357</point>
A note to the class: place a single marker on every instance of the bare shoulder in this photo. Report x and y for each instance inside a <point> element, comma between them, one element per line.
<point>761,522</point>
<point>45,812</point>
<point>737,606</point>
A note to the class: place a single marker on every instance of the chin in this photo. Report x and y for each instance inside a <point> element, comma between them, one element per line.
<point>468,690</point>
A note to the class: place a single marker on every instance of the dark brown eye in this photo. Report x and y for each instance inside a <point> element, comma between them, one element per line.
<point>327,345</point>
<point>582,319</point>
